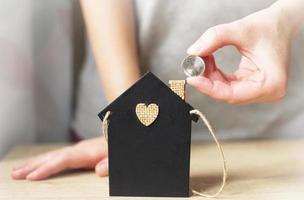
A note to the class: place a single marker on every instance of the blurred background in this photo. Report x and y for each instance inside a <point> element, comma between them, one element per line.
<point>41,49</point>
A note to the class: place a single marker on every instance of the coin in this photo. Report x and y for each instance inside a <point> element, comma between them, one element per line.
<point>193,65</point>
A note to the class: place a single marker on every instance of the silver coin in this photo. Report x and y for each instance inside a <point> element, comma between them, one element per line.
<point>193,65</point>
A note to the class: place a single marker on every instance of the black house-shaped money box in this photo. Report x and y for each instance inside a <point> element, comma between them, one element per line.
<point>149,138</point>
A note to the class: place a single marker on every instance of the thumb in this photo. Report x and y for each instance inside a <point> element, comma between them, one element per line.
<point>215,38</point>
<point>101,168</point>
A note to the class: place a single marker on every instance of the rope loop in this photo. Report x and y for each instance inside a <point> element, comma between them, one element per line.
<point>198,113</point>
<point>105,124</point>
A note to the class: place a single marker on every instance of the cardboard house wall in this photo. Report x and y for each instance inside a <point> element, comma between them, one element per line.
<point>149,160</point>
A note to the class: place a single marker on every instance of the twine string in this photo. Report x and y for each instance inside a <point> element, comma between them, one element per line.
<point>198,113</point>
<point>105,124</point>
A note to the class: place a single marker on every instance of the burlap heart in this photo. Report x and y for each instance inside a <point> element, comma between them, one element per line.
<point>146,114</point>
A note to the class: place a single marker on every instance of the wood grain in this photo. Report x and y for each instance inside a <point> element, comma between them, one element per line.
<point>257,170</point>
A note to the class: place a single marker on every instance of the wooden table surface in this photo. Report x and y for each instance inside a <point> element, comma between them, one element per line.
<point>258,170</point>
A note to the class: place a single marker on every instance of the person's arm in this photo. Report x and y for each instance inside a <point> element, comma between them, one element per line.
<point>263,40</point>
<point>110,27</point>
<point>291,12</point>
<point>111,30</point>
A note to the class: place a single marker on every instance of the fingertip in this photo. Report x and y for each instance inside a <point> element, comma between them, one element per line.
<point>39,174</point>
<point>205,45</point>
<point>194,49</point>
<point>101,168</point>
<point>17,174</point>
<point>33,176</point>
<point>20,173</point>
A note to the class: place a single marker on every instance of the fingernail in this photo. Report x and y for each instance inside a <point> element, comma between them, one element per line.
<point>32,176</point>
<point>101,167</point>
<point>202,43</point>
<point>194,49</point>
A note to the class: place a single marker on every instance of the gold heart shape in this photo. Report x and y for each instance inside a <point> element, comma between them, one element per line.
<point>146,114</point>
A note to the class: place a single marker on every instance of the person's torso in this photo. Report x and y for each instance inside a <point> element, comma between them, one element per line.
<point>165,29</point>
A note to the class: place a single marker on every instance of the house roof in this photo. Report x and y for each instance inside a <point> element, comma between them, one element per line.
<point>144,82</point>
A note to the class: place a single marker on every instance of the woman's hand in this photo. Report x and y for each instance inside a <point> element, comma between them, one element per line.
<point>263,40</point>
<point>86,154</point>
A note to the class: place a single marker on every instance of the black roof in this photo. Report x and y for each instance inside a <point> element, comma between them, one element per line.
<point>144,84</point>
